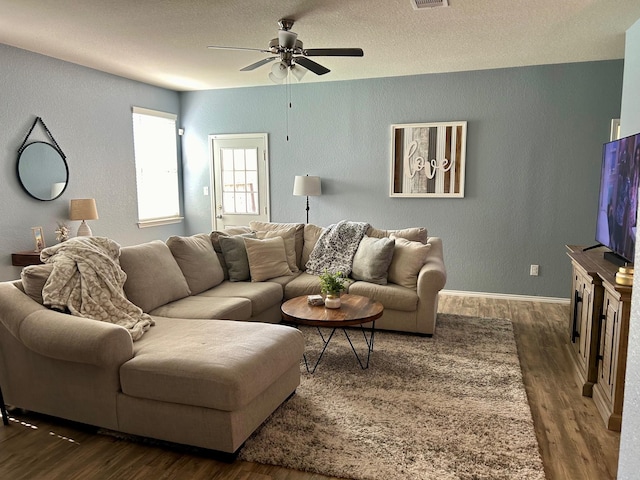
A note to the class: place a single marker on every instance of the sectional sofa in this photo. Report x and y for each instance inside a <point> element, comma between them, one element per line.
<point>199,376</point>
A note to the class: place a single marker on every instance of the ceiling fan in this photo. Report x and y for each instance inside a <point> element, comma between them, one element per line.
<point>292,55</point>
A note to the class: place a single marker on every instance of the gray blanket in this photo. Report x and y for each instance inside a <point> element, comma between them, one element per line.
<point>336,248</point>
<point>87,281</point>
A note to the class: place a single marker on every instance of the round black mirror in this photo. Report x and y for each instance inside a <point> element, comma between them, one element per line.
<point>43,171</point>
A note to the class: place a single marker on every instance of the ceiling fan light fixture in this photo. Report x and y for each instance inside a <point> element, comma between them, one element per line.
<point>278,72</point>
<point>298,71</point>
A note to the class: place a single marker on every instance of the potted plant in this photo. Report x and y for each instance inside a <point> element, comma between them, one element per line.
<point>331,285</point>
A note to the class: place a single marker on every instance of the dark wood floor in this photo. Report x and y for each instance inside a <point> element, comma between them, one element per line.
<point>573,440</point>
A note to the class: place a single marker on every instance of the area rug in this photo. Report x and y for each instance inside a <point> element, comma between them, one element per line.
<point>448,407</point>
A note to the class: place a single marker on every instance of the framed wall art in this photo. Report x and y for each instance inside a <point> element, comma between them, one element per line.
<point>428,159</point>
<point>38,238</point>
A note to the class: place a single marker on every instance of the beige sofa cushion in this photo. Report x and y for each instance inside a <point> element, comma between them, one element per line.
<point>288,235</point>
<point>227,308</point>
<point>299,235</point>
<point>392,296</point>
<point>192,362</point>
<point>198,261</point>
<point>263,295</point>
<point>33,279</point>
<point>414,234</point>
<point>267,258</point>
<point>408,259</point>
<point>311,235</point>
<point>153,275</point>
<point>306,284</point>
<point>372,259</point>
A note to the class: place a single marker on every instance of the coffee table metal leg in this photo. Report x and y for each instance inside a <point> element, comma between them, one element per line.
<point>326,344</point>
<point>368,341</point>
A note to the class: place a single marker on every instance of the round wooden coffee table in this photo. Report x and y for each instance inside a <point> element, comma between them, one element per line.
<point>355,310</point>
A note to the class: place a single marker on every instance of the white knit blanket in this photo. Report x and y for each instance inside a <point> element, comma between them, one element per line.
<point>87,280</point>
<point>336,248</point>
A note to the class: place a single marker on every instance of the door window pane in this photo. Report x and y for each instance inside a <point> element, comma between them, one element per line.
<point>240,181</point>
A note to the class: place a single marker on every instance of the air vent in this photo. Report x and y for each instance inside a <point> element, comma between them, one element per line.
<point>420,4</point>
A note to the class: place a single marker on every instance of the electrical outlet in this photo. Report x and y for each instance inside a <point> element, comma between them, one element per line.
<point>205,191</point>
<point>533,271</point>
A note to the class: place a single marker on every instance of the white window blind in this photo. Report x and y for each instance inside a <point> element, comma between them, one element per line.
<point>156,158</point>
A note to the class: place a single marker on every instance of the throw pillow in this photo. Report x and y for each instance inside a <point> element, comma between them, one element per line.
<point>408,259</point>
<point>267,258</point>
<point>215,241</point>
<point>299,236</point>
<point>372,259</point>
<point>289,237</point>
<point>415,234</point>
<point>153,275</point>
<point>198,261</point>
<point>33,279</point>
<point>235,257</point>
<point>311,235</point>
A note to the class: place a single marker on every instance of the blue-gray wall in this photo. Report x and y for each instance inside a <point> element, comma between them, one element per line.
<point>89,114</point>
<point>534,145</point>
<point>629,462</point>
<point>533,155</point>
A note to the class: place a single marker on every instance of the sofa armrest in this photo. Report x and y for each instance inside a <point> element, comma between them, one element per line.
<point>431,280</point>
<point>433,274</point>
<point>76,339</point>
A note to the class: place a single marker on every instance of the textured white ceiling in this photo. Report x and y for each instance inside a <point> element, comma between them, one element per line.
<point>164,42</point>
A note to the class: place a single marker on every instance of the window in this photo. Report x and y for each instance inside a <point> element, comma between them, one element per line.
<point>156,157</point>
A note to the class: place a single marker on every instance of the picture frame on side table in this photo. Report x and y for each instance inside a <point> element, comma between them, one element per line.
<point>38,238</point>
<point>428,159</point>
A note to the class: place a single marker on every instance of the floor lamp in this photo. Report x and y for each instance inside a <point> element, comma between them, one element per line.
<point>307,186</point>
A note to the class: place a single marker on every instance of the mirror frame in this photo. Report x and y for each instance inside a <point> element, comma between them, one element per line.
<point>56,149</point>
<point>23,181</point>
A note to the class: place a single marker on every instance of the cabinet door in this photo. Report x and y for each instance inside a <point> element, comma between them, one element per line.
<point>609,336</point>
<point>584,327</point>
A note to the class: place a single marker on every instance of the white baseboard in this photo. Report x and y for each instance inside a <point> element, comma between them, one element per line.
<point>505,296</point>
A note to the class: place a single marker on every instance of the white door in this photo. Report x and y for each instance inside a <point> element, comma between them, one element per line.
<point>240,179</point>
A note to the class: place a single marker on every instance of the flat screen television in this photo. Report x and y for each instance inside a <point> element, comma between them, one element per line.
<point>618,200</point>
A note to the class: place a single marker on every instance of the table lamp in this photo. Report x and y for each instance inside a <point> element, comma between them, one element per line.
<point>83,209</point>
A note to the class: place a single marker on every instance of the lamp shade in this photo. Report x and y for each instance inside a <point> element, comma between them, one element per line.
<point>83,209</point>
<point>307,186</point>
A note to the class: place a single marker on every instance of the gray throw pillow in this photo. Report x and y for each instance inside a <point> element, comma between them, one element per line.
<point>372,259</point>
<point>235,257</point>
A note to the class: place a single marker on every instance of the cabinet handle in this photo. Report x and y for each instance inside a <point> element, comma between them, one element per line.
<point>574,332</point>
<point>600,354</point>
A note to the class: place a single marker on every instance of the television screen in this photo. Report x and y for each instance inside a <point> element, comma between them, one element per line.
<point>618,201</point>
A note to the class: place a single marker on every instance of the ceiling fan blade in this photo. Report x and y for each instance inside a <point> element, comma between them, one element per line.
<point>311,65</point>
<point>333,52</point>
<point>218,47</point>
<point>253,66</point>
